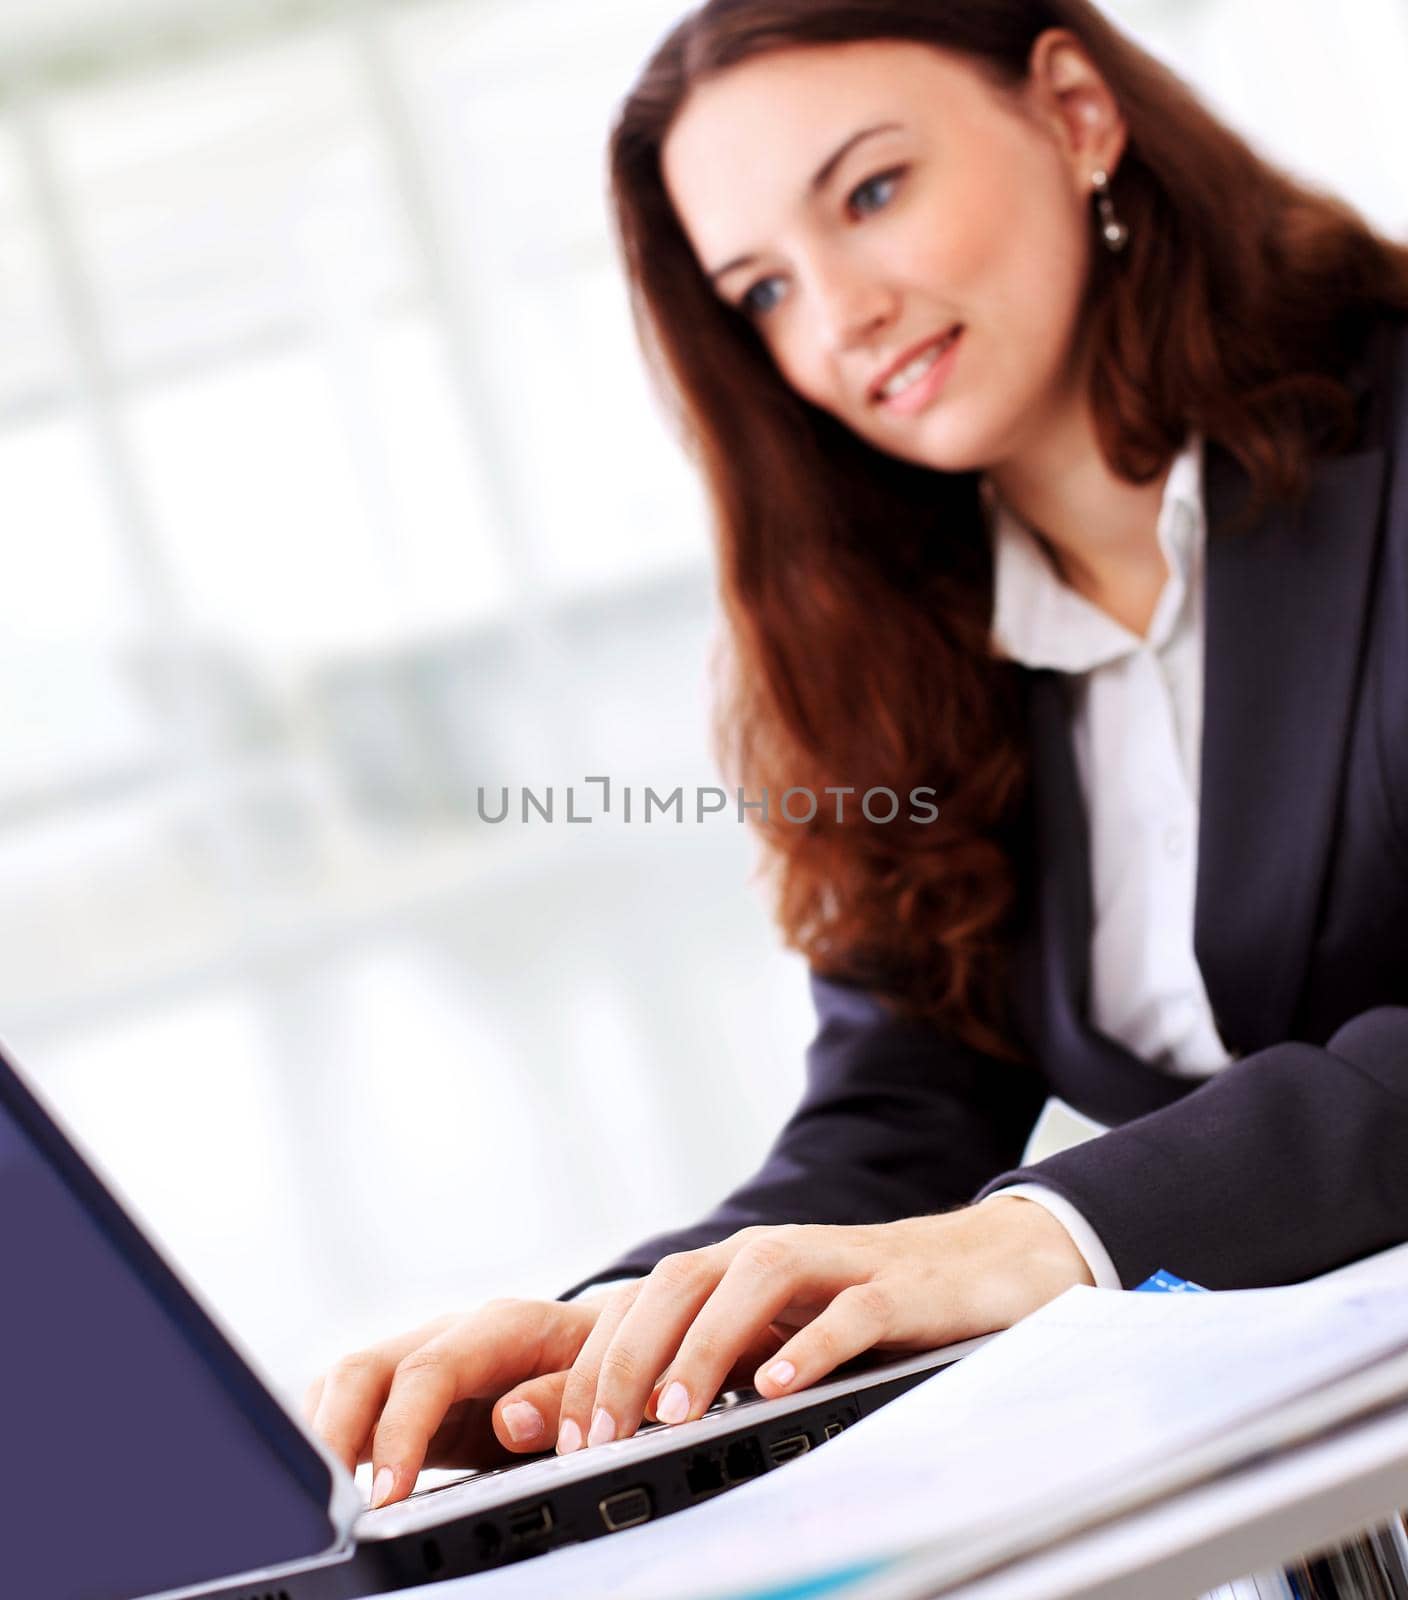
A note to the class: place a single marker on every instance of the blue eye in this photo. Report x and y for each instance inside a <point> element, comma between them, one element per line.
<point>882,184</point>
<point>750,305</point>
<point>880,189</point>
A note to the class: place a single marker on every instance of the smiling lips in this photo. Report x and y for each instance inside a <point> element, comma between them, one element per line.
<point>912,368</point>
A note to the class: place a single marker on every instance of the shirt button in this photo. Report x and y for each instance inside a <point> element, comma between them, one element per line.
<point>1175,841</point>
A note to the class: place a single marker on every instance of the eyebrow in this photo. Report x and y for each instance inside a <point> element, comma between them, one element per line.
<point>819,181</point>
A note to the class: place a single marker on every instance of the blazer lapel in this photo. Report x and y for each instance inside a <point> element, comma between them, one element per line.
<point>1094,1072</point>
<point>1284,616</point>
<point>1285,619</point>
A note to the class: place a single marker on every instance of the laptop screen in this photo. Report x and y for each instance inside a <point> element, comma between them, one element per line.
<point>138,1452</point>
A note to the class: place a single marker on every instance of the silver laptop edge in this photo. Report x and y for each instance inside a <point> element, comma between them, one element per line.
<point>479,1494</point>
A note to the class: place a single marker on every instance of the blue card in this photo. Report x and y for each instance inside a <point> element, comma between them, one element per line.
<point>1164,1282</point>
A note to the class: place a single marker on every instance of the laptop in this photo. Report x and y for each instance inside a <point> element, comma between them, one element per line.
<point>143,1455</point>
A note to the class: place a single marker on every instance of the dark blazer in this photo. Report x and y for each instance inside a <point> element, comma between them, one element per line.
<point>1293,1158</point>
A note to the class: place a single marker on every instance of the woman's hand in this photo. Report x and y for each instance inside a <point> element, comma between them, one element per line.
<point>508,1379</point>
<point>665,1345</point>
<point>462,1391</point>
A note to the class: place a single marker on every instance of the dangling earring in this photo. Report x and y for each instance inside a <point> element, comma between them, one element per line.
<point>1114,232</point>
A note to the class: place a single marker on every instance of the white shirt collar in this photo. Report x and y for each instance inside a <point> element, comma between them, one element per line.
<point>1040,621</point>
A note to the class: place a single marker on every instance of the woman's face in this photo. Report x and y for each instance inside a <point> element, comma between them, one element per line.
<point>857,202</point>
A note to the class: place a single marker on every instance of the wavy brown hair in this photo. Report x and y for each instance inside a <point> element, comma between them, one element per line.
<point>856,588</point>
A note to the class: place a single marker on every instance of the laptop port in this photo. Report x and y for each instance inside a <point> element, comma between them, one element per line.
<point>704,1473</point>
<point>788,1449</point>
<point>743,1460</point>
<point>833,1428</point>
<point>530,1524</point>
<point>626,1509</point>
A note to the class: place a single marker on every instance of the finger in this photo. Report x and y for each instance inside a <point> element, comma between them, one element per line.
<point>610,1386</point>
<point>575,1408</point>
<point>480,1356</point>
<point>424,1387</point>
<point>526,1418</point>
<point>739,1376</point>
<point>860,1317</point>
<point>769,1274</point>
<point>351,1392</point>
<point>352,1395</point>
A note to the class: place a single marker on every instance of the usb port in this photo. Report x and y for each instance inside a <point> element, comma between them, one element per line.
<point>795,1444</point>
<point>530,1524</point>
<point>626,1509</point>
<point>833,1428</point>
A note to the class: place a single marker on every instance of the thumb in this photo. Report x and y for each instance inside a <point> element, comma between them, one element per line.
<point>525,1419</point>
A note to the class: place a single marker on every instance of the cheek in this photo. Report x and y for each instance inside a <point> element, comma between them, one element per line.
<point>1046,279</point>
<point>1039,274</point>
<point>805,369</point>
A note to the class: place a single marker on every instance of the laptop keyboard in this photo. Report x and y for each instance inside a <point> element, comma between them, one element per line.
<point>729,1400</point>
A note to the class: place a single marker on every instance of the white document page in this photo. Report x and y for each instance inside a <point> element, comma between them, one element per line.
<point>1094,1402</point>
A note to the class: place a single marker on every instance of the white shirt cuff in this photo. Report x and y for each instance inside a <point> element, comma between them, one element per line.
<point>1083,1236</point>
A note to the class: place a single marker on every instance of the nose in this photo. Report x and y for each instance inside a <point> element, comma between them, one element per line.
<point>851,303</point>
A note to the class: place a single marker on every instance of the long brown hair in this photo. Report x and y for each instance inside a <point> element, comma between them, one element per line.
<point>856,587</point>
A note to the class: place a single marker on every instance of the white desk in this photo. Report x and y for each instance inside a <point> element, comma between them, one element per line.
<point>1263,1516</point>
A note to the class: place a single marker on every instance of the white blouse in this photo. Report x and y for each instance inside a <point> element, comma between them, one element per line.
<point>1136,725</point>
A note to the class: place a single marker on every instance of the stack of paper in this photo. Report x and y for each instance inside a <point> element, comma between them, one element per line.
<point>1096,1403</point>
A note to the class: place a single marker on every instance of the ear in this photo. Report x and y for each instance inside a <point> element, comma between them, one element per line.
<point>1076,103</point>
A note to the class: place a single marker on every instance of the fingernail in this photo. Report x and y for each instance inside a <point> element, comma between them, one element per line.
<point>781,1373</point>
<point>523,1421</point>
<point>603,1428</point>
<point>674,1403</point>
<point>569,1438</point>
<point>382,1485</point>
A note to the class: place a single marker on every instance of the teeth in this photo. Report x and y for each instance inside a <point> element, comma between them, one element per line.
<point>916,369</point>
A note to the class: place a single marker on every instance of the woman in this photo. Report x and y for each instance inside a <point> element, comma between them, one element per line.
<point>1029,398</point>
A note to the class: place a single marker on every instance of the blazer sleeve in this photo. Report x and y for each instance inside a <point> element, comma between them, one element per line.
<point>1289,1162</point>
<point>898,1119</point>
